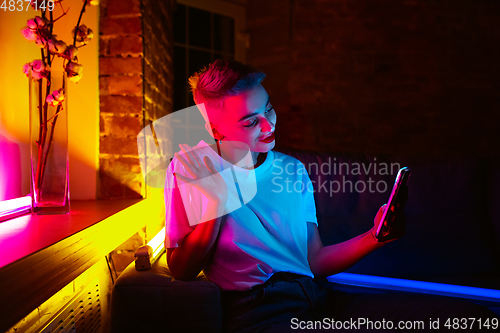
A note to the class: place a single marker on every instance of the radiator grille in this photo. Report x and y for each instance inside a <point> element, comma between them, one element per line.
<point>81,315</point>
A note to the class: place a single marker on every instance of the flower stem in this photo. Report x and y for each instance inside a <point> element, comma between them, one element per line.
<point>44,145</point>
<point>42,154</point>
<point>78,23</point>
<point>49,143</point>
<point>39,142</point>
<point>40,117</point>
<point>42,129</point>
<point>63,14</point>
<point>51,30</point>
<point>53,126</point>
<point>55,114</point>
<point>51,22</point>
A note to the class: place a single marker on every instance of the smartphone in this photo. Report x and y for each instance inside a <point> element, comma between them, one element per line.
<point>401,180</point>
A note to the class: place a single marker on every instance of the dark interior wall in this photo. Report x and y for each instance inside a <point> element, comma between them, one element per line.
<point>381,76</point>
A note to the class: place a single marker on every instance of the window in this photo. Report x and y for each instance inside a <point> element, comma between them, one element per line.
<point>200,37</point>
<point>202,34</point>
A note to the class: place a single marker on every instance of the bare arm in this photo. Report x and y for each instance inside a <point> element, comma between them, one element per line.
<point>188,259</point>
<point>328,260</point>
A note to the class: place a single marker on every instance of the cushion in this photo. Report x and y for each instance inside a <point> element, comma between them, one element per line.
<point>153,301</point>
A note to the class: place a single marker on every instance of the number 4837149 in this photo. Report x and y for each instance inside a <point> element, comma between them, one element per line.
<point>24,5</point>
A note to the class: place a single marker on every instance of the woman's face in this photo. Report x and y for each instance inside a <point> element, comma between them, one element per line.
<point>249,118</point>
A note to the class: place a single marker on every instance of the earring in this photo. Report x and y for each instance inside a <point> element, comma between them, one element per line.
<point>218,142</point>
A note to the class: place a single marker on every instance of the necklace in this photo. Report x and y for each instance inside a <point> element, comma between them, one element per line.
<point>256,165</point>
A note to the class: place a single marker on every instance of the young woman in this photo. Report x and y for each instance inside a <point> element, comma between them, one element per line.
<point>265,254</point>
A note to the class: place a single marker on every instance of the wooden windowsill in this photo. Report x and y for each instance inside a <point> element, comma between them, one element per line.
<point>42,254</point>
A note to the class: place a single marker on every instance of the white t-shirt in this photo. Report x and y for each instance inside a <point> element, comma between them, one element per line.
<point>259,236</point>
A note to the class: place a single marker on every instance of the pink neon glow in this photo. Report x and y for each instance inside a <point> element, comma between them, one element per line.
<point>13,204</point>
<point>14,207</point>
<point>10,169</point>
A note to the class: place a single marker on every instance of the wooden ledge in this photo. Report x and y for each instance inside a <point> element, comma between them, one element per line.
<point>42,254</point>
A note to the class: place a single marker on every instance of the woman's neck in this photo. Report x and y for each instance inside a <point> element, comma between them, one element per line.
<point>240,157</point>
<point>260,159</point>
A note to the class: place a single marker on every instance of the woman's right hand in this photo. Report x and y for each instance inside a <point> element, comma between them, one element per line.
<point>205,177</point>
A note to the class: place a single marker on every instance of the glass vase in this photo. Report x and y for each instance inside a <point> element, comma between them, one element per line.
<point>49,144</point>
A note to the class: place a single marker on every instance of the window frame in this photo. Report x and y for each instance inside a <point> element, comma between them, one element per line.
<point>235,9</point>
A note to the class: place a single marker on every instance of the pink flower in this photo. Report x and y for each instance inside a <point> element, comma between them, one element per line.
<point>36,23</point>
<point>57,46</point>
<point>55,98</point>
<point>70,53</point>
<point>74,71</point>
<point>31,24</point>
<point>36,76</point>
<point>29,34</point>
<point>37,68</point>
<point>41,41</point>
<point>83,34</point>
<point>37,31</point>
<point>27,68</point>
<point>37,65</point>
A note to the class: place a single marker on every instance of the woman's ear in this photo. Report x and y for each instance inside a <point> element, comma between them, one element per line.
<point>209,128</point>
<point>212,130</point>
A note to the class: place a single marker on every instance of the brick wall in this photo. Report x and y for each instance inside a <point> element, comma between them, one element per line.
<point>158,55</point>
<point>136,80</point>
<point>135,87</point>
<point>416,77</point>
<point>121,98</point>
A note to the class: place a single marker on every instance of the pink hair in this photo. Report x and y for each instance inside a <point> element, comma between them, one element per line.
<point>221,79</point>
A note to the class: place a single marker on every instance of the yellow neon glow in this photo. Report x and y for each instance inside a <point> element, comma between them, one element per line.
<point>157,243</point>
<point>83,97</point>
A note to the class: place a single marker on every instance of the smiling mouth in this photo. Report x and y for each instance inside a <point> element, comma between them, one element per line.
<point>269,138</point>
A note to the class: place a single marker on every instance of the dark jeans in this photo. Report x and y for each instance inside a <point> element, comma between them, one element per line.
<point>294,303</point>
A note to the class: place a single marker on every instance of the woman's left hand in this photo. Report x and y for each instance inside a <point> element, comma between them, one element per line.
<point>398,224</point>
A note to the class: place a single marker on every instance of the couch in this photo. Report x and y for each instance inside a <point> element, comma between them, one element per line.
<point>452,236</point>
